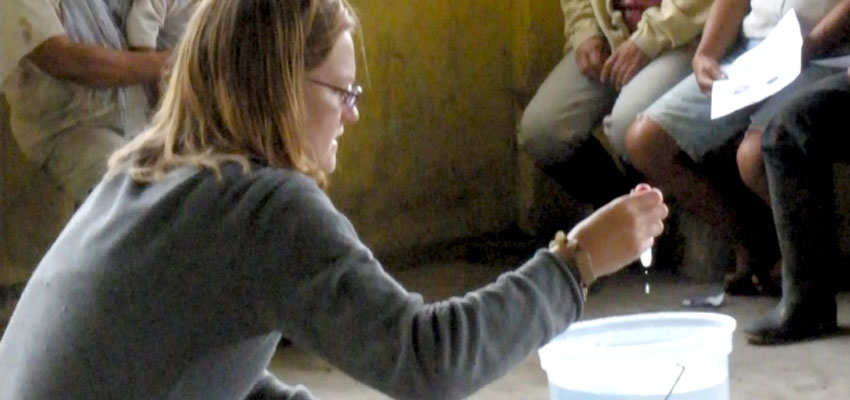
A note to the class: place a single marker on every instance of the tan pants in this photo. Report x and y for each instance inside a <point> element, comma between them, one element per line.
<point>568,105</point>
<point>76,159</point>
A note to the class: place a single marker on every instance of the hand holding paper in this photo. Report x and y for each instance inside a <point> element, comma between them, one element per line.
<point>761,71</point>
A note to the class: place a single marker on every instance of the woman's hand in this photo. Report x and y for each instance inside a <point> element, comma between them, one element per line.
<point>706,70</point>
<point>617,233</point>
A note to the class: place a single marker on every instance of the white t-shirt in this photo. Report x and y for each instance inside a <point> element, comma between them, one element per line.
<point>158,23</point>
<point>765,14</point>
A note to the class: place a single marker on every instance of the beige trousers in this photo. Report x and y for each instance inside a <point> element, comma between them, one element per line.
<point>568,106</point>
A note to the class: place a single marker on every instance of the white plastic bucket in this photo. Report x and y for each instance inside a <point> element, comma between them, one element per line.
<point>683,355</point>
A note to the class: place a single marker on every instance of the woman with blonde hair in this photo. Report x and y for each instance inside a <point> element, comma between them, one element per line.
<point>211,238</point>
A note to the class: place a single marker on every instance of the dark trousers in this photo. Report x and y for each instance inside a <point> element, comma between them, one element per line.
<point>800,146</point>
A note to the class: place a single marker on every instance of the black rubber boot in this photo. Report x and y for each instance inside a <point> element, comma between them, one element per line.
<point>800,315</point>
<point>799,172</point>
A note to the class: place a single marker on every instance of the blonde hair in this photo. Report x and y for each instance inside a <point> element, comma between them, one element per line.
<point>235,91</point>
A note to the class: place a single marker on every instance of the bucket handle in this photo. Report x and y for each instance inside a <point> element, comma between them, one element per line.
<point>676,382</point>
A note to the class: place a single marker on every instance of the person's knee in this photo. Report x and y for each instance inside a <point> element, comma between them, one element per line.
<point>531,137</point>
<point>789,131</point>
<point>79,160</point>
<point>643,140</point>
<point>629,105</point>
<point>616,124</point>
<point>750,161</point>
<point>529,129</point>
<point>545,138</point>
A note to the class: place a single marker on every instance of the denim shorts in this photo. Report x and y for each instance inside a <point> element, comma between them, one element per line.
<point>685,112</point>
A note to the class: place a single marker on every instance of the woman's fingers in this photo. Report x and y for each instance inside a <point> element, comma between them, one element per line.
<point>617,233</point>
<point>648,199</point>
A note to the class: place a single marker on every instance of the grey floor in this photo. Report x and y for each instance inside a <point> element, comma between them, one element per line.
<point>810,370</point>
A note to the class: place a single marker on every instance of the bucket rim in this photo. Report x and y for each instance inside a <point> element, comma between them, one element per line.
<point>714,336</point>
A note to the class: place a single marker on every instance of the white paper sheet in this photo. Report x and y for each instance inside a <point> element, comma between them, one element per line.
<point>761,71</point>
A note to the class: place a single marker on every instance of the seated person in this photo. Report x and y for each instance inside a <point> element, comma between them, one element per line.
<point>620,56</point>
<point>676,145</point>
<point>71,87</point>
<point>73,98</point>
<point>800,147</point>
<point>211,237</point>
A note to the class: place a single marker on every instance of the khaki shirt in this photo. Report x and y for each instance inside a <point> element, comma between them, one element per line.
<point>672,24</point>
<point>41,106</point>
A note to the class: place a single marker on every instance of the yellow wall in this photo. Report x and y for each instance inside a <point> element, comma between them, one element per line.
<point>433,157</point>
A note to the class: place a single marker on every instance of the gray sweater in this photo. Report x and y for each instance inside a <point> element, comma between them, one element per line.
<point>181,289</point>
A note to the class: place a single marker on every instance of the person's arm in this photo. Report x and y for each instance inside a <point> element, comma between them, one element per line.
<point>673,23</point>
<point>584,37</point>
<point>579,23</point>
<point>719,35</point>
<point>831,31</point>
<point>93,65</point>
<point>336,300</point>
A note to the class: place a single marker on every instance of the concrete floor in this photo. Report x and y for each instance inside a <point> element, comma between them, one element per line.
<point>810,370</point>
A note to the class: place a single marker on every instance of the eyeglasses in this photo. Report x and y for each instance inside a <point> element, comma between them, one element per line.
<point>349,95</point>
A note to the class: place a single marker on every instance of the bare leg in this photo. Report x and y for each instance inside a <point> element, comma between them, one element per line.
<point>751,164</point>
<point>722,201</point>
<point>751,167</point>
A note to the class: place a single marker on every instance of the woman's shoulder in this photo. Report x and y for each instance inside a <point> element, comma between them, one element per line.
<point>264,182</point>
<point>234,186</point>
<point>261,175</point>
<point>276,195</point>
